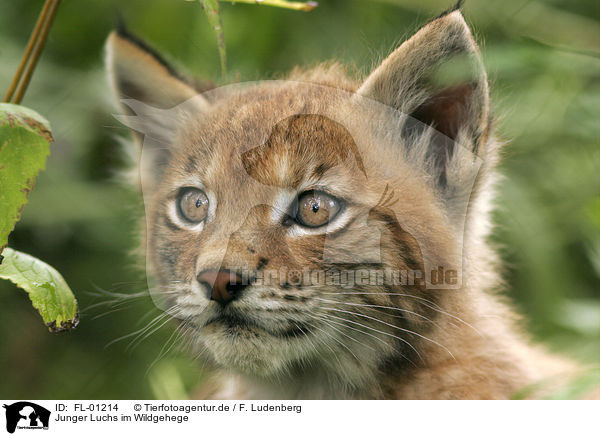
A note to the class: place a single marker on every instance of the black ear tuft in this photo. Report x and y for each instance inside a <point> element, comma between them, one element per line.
<point>123,31</point>
<point>457,7</point>
<point>154,97</point>
<point>138,72</point>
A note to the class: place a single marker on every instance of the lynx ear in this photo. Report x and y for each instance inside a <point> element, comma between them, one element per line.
<point>138,72</point>
<point>150,91</point>
<point>437,78</point>
<point>153,96</point>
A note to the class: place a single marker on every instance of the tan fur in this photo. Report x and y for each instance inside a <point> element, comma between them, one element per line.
<point>408,206</point>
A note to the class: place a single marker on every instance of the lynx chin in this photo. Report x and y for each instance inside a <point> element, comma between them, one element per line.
<point>322,236</point>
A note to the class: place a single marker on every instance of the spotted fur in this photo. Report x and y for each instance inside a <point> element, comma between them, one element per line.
<point>410,153</point>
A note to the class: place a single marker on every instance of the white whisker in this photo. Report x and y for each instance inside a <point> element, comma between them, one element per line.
<point>335,339</point>
<point>381,332</point>
<point>428,303</point>
<point>377,306</point>
<point>328,322</point>
<point>156,319</point>
<point>393,326</point>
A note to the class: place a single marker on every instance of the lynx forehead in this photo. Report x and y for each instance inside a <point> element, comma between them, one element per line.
<point>325,237</point>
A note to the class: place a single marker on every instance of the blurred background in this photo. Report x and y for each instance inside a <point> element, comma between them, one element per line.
<point>543,60</point>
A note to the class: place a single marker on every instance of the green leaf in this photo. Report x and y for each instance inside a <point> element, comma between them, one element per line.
<point>211,7</point>
<point>24,145</point>
<point>48,291</point>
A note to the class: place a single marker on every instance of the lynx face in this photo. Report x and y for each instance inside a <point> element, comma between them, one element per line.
<point>293,226</point>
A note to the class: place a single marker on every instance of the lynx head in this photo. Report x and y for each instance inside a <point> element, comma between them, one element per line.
<point>299,226</point>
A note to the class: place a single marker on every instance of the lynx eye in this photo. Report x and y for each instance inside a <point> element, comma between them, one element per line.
<point>315,209</point>
<point>192,205</point>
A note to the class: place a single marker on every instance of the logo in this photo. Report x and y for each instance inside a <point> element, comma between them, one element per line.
<point>26,415</point>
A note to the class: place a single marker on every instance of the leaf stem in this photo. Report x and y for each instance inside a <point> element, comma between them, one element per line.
<point>298,6</point>
<point>32,53</point>
<point>211,8</point>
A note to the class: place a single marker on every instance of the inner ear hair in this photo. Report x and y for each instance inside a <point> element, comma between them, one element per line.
<point>435,77</point>
<point>446,110</point>
<point>437,81</point>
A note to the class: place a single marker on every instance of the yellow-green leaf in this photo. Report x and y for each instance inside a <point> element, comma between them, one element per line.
<point>47,289</point>
<point>24,145</point>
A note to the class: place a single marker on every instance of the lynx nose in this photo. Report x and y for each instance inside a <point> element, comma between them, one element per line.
<point>223,285</point>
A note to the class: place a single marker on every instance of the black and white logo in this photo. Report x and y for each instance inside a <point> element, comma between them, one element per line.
<point>26,415</point>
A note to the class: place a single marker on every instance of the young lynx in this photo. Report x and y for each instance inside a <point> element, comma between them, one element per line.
<point>320,237</point>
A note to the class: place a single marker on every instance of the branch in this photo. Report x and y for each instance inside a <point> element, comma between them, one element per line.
<point>32,52</point>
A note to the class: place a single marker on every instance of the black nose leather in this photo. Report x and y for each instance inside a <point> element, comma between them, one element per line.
<point>224,286</point>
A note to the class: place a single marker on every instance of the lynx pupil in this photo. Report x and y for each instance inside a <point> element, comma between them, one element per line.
<point>192,205</point>
<point>316,209</point>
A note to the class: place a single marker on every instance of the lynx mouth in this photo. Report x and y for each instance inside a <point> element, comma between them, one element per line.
<point>235,323</point>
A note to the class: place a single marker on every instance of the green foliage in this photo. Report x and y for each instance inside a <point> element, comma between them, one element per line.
<point>25,139</point>
<point>166,381</point>
<point>211,7</point>
<point>583,385</point>
<point>546,94</point>
<point>48,291</point>
<point>580,386</point>
<point>24,145</point>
